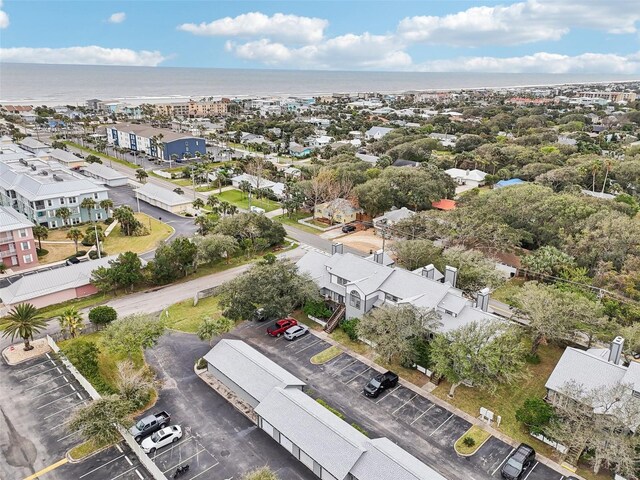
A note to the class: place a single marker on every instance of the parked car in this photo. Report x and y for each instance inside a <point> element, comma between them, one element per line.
<point>161,438</point>
<point>348,228</point>
<point>281,326</point>
<point>294,332</point>
<point>72,261</point>
<point>379,383</point>
<point>259,315</point>
<point>149,424</point>
<point>519,462</point>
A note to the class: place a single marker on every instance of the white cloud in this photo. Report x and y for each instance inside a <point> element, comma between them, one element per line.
<point>540,62</point>
<point>117,17</point>
<point>278,27</point>
<point>522,22</point>
<point>89,55</point>
<point>4,18</point>
<point>349,51</point>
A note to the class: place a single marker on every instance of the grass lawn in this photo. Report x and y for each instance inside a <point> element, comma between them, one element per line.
<point>239,199</point>
<point>185,317</point>
<point>293,221</point>
<point>506,292</point>
<point>102,155</point>
<point>80,303</point>
<point>116,242</point>
<point>85,449</point>
<point>478,435</point>
<point>508,398</point>
<point>205,188</point>
<point>183,182</point>
<point>58,251</point>
<point>326,355</point>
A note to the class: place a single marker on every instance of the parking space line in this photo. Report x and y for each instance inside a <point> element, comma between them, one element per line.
<point>423,414</point>
<point>357,375</point>
<point>173,445</point>
<point>392,413</point>
<point>63,410</point>
<point>124,473</point>
<point>56,400</point>
<point>79,396</point>
<point>127,459</point>
<point>70,435</point>
<point>52,390</point>
<point>388,393</point>
<point>119,448</point>
<point>60,424</point>
<point>32,366</point>
<point>101,466</point>
<point>308,346</point>
<point>184,460</point>
<point>205,471</point>
<point>534,467</point>
<point>53,466</point>
<point>139,474</point>
<point>502,462</point>
<point>40,373</point>
<point>440,426</point>
<point>346,366</point>
<point>48,381</point>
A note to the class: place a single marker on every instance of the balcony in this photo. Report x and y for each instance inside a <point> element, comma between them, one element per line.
<point>6,239</point>
<point>8,253</point>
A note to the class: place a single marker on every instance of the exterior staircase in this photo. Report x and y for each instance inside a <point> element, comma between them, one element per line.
<point>335,319</point>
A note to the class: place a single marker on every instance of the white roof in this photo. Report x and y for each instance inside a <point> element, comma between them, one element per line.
<point>382,131</point>
<point>162,195</point>
<point>249,369</point>
<point>395,215</point>
<point>103,172</point>
<point>12,220</point>
<point>47,282</point>
<point>253,180</point>
<point>323,436</point>
<point>476,175</point>
<point>63,156</point>
<point>367,158</point>
<point>31,142</point>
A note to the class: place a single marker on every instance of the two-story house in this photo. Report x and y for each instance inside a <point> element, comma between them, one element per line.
<point>362,284</point>
<point>17,245</point>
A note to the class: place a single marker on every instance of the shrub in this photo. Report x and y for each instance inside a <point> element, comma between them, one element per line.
<point>3,267</point>
<point>41,252</point>
<point>188,214</point>
<point>93,254</point>
<point>350,327</point>
<point>83,355</point>
<point>337,413</point>
<point>535,413</point>
<point>317,308</point>
<point>468,441</point>
<point>532,358</point>
<point>360,429</point>
<point>102,315</point>
<point>201,364</point>
<point>108,221</point>
<point>81,253</point>
<point>71,256</point>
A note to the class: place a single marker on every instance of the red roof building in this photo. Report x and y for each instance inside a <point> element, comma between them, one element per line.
<point>444,204</point>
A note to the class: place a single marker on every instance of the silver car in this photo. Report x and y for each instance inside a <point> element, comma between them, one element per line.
<point>296,331</point>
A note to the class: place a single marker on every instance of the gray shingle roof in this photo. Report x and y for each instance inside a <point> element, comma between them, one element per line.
<point>323,436</point>
<point>249,369</point>
<point>148,131</point>
<point>12,220</point>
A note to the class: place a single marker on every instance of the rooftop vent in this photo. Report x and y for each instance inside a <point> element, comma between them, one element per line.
<point>33,167</point>
<point>44,172</point>
<point>57,178</point>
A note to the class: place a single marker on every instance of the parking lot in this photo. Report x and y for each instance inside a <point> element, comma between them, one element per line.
<point>37,399</point>
<point>419,425</point>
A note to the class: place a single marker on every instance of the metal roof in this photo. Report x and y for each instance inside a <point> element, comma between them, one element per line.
<point>103,172</point>
<point>147,131</point>
<point>162,195</point>
<point>12,220</point>
<point>249,369</point>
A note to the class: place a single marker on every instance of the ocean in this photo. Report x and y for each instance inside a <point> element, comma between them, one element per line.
<point>74,84</point>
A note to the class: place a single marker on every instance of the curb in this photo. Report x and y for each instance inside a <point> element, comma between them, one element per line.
<point>477,448</point>
<point>68,456</point>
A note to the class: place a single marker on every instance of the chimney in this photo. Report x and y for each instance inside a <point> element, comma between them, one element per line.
<point>615,350</point>
<point>429,271</point>
<point>482,300</point>
<point>451,275</point>
<point>337,248</point>
<point>378,257</point>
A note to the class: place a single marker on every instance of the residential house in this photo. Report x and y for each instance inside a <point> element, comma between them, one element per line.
<point>564,140</point>
<point>372,159</point>
<point>363,284</point>
<point>445,139</point>
<point>385,222</point>
<point>103,174</point>
<point>39,189</point>
<point>472,178</point>
<point>277,188</point>
<point>405,163</point>
<point>63,157</point>
<point>444,204</point>
<point>17,244</point>
<point>376,133</point>
<point>292,172</point>
<point>162,198</point>
<point>33,145</point>
<point>339,210</point>
<point>299,151</point>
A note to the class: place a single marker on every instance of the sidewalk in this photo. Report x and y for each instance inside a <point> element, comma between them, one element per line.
<point>425,392</point>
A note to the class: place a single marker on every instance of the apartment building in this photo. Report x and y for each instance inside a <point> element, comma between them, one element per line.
<point>157,142</point>
<point>610,96</point>
<point>39,189</point>
<point>17,245</point>
<point>193,109</point>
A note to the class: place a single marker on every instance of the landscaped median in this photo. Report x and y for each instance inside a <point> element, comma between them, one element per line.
<point>326,355</point>
<point>471,441</point>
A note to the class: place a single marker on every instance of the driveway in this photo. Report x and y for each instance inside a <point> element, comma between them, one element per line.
<point>422,427</point>
<point>218,439</point>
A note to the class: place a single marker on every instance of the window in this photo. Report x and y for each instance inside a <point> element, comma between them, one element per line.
<point>98,216</point>
<point>95,196</point>
<point>22,233</point>
<point>49,203</point>
<point>24,245</point>
<point>391,298</point>
<point>73,200</point>
<point>27,258</point>
<point>635,393</point>
<point>354,299</point>
<point>341,281</point>
<point>61,201</point>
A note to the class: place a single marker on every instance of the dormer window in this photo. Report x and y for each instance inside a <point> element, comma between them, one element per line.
<point>354,299</point>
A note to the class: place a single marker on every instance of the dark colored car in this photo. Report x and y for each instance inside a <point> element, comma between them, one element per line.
<point>149,424</point>
<point>379,383</point>
<point>259,315</point>
<point>281,326</point>
<point>348,228</point>
<point>519,462</point>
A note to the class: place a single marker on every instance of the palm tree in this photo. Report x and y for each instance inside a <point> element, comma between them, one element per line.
<point>75,234</point>
<point>71,321</point>
<point>23,322</point>
<point>173,158</point>
<point>141,174</point>
<point>224,207</point>
<point>88,204</point>
<point>222,178</point>
<point>40,232</point>
<point>203,224</point>
<point>106,205</point>
<point>198,203</point>
<point>64,213</point>
<point>212,201</point>
<point>233,210</point>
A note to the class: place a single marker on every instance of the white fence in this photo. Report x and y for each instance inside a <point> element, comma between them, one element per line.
<point>558,446</point>
<point>151,467</point>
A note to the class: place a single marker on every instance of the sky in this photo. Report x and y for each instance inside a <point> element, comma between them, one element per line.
<point>542,36</point>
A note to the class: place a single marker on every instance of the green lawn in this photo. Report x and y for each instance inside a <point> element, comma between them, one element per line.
<point>117,243</point>
<point>293,221</point>
<point>506,292</point>
<point>508,398</point>
<point>478,435</point>
<point>185,317</point>
<point>102,155</point>
<point>239,199</point>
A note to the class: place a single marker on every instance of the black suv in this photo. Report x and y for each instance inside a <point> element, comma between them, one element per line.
<point>519,462</point>
<point>348,228</point>
<point>379,383</point>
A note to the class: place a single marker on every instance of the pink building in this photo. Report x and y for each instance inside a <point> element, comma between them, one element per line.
<point>17,245</point>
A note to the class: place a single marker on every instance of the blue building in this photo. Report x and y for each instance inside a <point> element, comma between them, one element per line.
<point>157,142</point>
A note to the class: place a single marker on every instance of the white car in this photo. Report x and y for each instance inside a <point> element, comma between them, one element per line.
<point>161,438</point>
<point>296,331</point>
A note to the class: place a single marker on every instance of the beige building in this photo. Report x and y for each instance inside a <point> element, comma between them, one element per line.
<point>193,109</point>
<point>339,210</point>
<point>611,96</point>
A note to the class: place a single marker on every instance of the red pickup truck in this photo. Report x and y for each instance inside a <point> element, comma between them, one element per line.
<point>281,326</point>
